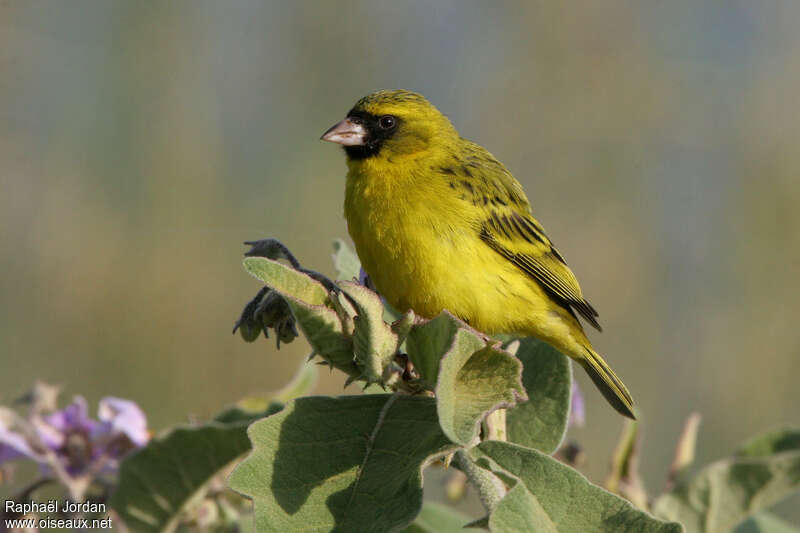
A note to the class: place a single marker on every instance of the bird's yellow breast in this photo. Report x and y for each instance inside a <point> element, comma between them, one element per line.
<point>419,242</point>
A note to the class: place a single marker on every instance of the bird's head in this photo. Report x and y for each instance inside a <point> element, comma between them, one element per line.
<point>391,124</point>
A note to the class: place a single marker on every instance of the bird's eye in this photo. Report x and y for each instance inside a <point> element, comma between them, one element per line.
<point>387,122</point>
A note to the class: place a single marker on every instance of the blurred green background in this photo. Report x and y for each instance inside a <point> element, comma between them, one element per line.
<point>141,142</point>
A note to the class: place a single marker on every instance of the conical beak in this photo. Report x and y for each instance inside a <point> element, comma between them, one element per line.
<point>346,133</point>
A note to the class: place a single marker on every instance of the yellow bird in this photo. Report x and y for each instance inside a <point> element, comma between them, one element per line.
<point>439,223</point>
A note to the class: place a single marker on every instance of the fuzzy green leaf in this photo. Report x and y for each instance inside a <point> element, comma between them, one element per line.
<point>158,483</point>
<point>374,342</point>
<point>553,498</point>
<point>323,329</point>
<point>765,523</point>
<point>470,378</point>
<point>474,379</point>
<point>438,518</point>
<point>308,300</point>
<point>541,422</point>
<point>428,342</point>
<point>770,443</point>
<point>352,463</point>
<point>519,508</point>
<point>161,481</point>
<point>345,261</point>
<point>728,491</point>
<point>286,280</point>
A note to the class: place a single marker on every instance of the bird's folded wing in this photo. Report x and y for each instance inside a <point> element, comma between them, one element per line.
<point>520,239</point>
<point>506,224</point>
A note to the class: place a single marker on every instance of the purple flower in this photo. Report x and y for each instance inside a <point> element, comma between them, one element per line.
<point>122,417</point>
<point>70,443</point>
<point>13,445</point>
<point>577,412</point>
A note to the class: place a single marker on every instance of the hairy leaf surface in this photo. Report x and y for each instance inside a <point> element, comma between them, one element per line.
<point>541,422</point>
<point>352,463</point>
<point>438,518</point>
<point>474,379</point>
<point>160,481</point>
<point>765,523</point>
<point>286,280</point>
<point>725,493</point>
<point>553,498</point>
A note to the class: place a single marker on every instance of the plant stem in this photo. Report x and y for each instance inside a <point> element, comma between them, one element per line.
<point>496,425</point>
<point>490,489</point>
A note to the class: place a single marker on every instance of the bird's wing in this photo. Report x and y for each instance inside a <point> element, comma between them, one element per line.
<point>507,226</point>
<point>519,239</point>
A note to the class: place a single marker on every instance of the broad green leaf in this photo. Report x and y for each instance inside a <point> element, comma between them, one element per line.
<point>403,325</point>
<point>553,498</point>
<point>161,481</point>
<point>765,523</point>
<point>541,422</point>
<point>427,343</point>
<point>438,518</point>
<point>374,342</point>
<point>158,483</point>
<point>323,329</point>
<point>352,463</point>
<point>345,260</point>
<point>772,442</point>
<point>728,491</point>
<point>519,510</point>
<point>245,411</point>
<point>474,379</point>
<point>286,280</point>
<point>307,299</point>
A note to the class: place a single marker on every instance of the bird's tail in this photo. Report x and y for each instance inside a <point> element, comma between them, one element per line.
<point>609,384</point>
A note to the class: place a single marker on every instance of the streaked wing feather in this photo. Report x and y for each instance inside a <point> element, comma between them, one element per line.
<point>546,267</point>
<point>509,228</point>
